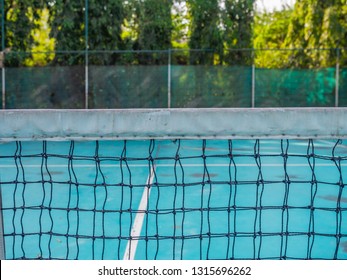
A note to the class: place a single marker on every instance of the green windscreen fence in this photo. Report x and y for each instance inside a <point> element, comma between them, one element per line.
<point>1,93</point>
<point>211,86</point>
<point>128,86</point>
<point>295,87</point>
<point>343,78</point>
<point>141,80</point>
<point>46,87</point>
<point>343,87</point>
<point>128,79</point>
<point>53,86</point>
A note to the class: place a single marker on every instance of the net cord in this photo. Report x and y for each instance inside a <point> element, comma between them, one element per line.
<point>212,123</point>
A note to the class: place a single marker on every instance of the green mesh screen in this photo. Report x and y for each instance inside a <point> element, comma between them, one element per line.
<point>1,93</point>
<point>143,80</point>
<point>294,88</point>
<point>211,86</point>
<point>343,87</point>
<point>137,79</point>
<point>55,86</point>
<point>128,86</point>
<point>146,86</point>
<point>48,87</point>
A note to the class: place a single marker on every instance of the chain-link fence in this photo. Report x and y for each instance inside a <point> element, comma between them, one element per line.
<point>161,79</point>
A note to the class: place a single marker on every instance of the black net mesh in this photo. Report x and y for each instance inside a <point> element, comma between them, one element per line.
<point>192,199</point>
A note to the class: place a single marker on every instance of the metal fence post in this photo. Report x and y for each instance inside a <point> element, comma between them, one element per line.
<point>337,77</point>
<point>169,80</point>
<point>2,55</point>
<point>3,86</point>
<point>253,80</point>
<point>86,105</point>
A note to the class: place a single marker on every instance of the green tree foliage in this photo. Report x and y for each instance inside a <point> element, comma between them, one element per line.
<point>205,30</point>
<point>68,24</point>
<point>270,32</point>
<point>155,27</point>
<point>17,28</point>
<point>105,28</point>
<point>238,26</point>
<point>334,33</point>
<point>307,29</point>
<point>270,29</point>
<point>180,25</point>
<point>2,21</point>
<point>180,32</point>
<point>221,25</point>
<point>105,24</point>
<point>316,24</point>
<point>102,29</point>
<point>215,25</point>
<point>147,25</point>
<point>25,33</point>
<point>42,48</point>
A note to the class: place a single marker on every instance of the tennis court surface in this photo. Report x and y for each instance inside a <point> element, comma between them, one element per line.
<point>174,184</point>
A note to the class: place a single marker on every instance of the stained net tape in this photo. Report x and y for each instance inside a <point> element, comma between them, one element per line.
<point>190,199</point>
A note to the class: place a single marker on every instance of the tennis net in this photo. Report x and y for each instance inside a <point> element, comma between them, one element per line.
<point>174,184</point>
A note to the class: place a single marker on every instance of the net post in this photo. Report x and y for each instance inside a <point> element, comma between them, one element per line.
<point>337,77</point>
<point>86,105</point>
<point>169,80</point>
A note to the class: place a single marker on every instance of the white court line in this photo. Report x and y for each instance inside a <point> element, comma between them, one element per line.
<point>131,247</point>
